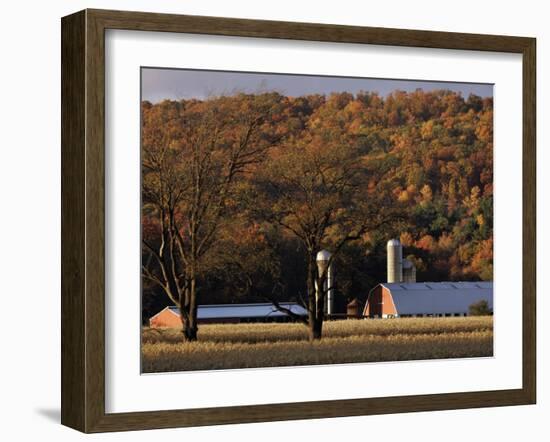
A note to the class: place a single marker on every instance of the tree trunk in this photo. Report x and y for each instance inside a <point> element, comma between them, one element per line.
<point>189,313</point>
<point>189,332</point>
<point>311,292</point>
<point>316,329</point>
<point>316,326</point>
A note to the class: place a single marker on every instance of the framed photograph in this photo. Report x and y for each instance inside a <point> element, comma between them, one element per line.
<point>267,221</point>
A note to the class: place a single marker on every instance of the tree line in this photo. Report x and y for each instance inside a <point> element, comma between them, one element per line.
<point>240,192</point>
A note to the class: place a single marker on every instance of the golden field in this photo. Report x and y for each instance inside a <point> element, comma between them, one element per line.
<point>229,346</point>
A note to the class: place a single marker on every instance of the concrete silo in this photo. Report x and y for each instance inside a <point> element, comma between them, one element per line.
<point>323,258</point>
<point>395,261</point>
<point>409,271</point>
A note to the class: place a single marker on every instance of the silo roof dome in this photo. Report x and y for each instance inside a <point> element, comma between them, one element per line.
<point>323,255</point>
<point>394,242</point>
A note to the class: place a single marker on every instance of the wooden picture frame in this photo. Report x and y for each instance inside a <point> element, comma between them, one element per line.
<point>83,220</point>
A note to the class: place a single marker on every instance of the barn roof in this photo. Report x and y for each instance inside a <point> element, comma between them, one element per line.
<point>256,310</point>
<point>438,297</point>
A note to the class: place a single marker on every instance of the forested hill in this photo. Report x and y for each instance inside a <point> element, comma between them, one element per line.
<point>428,155</point>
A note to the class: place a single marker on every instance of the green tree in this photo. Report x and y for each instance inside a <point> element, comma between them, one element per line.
<point>480,308</point>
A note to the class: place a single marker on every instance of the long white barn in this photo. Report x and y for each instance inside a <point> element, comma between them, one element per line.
<point>219,313</point>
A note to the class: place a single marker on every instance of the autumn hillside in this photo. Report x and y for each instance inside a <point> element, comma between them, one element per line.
<point>358,168</point>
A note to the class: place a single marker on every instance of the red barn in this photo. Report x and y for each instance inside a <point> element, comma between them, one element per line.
<point>419,299</point>
<point>169,317</point>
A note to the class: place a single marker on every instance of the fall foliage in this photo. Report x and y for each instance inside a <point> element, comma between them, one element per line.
<point>240,192</point>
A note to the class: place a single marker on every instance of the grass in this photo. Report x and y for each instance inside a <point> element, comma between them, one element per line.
<point>228,346</point>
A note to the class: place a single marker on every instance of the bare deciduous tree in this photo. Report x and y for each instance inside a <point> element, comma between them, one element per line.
<point>192,156</point>
<point>317,190</point>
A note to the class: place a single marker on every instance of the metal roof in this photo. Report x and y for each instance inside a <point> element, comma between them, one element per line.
<point>407,264</point>
<point>257,310</point>
<point>323,255</point>
<point>438,297</point>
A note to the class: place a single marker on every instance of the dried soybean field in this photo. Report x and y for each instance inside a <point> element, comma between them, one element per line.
<point>230,346</point>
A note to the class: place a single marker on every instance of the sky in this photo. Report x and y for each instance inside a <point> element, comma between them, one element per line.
<point>160,83</point>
